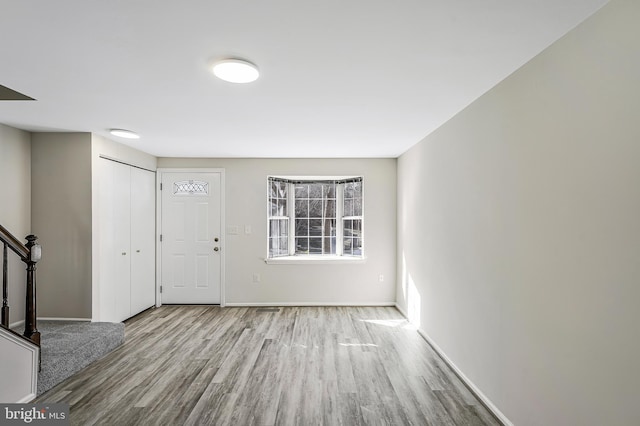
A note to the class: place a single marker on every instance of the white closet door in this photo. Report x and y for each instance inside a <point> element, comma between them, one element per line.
<point>114,197</point>
<point>106,235</point>
<point>143,231</point>
<point>122,230</point>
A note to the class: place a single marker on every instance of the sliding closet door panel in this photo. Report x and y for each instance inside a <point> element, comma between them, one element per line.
<point>114,241</point>
<point>122,209</point>
<point>143,231</point>
<point>107,242</point>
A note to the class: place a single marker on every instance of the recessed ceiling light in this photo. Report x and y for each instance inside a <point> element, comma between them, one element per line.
<point>236,71</point>
<point>121,133</point>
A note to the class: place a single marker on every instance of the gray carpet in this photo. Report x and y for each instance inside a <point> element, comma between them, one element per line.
<point>69,346</point>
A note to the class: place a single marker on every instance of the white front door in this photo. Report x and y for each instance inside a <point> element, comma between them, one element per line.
<point>191,229</point>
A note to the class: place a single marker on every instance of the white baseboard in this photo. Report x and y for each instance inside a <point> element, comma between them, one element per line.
<point>21,322</point>
<point>27,398</point>
<point>472,387</point>
<point>64,319</point>
<point>402,311</point>
<point>275,304</point>
<point>16,324</point>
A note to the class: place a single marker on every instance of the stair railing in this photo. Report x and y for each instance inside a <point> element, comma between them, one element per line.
<point>30,254</point>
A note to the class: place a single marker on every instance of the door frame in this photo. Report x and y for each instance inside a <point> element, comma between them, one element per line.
<point>159,173</point>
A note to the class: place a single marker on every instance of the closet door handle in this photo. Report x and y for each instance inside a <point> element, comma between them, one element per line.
<point>124,253</point>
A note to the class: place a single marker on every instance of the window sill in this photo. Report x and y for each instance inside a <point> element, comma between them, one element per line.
<point>314,260</point>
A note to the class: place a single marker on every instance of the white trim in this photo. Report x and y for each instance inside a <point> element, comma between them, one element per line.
<point>21,322</point>
<point>223,227</point>
<point>340,220</point>
<point>35,362</point>
<point>324,177</point>
<point>158,233</point>
<point>472,387</point>
<point>27,399</point>
<point>64,319</point>
<point>313,260</point>
<point>16,324</point>
<point>302,304</point>
<point>402,311</point>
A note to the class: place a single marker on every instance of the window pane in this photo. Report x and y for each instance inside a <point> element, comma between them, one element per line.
<point>352,245</point>
<point>302,191</point>
<point>282,207</point>
<point>302,227</point>
<point>277,203</point>
<point>284,246</point>
<point>282,190</point>
<point>348,190</point>
<point>330,227</point>
<point>302,208</point>
<point>278,246</point>
<point>348,207</point>
<point>357,189</point>
<point>329,245</point>
<point>278,228</point>
<point>315,245</point>
<point>315,190</point>
<point>329,190</point>
<point>329,208</point>
<point>357,227</point>
<point>302,245</point>
<point>275,228</point>
<point>315,227</point>
<point>347,228</point>
<point>315,208</point>
<point>357,247</point>
<point>357,207</point>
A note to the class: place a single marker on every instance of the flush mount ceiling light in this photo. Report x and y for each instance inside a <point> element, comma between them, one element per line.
<point>235,71</point>
<point>127,134</point>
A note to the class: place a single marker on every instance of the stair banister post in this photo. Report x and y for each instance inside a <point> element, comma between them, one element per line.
<point>30,320</point>
<point>5,290</point>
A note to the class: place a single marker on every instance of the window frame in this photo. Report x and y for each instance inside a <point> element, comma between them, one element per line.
<point>339,256</point>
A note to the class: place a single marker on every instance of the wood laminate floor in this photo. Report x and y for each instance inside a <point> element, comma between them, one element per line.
<point>205,365</point>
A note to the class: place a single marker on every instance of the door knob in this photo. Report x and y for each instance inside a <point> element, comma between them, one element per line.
<point>216,249</point>
<point>216,239</point>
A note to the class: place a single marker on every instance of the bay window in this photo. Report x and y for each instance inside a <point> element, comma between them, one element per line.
<point>315,217</point>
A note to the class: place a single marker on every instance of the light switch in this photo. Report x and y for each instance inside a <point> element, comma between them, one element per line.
<point>247,229</point>
<point>233,230</point>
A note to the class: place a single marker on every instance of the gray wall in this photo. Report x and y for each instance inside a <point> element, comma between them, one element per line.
<point>61,217</point>
<point>519,231</point>
<point>15,206</point>
<point>305,284</point>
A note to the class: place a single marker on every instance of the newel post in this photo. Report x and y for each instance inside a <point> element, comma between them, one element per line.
<point>35,253</point>
<point>5,290</point>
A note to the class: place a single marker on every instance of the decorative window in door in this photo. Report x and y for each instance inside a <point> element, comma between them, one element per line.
<point>191,187</point>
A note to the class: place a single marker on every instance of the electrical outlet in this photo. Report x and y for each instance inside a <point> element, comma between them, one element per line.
<point>381,278</point>
<point>256,277</point>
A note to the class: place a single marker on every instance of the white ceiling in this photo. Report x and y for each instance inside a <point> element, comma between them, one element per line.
<point>347,78</point>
